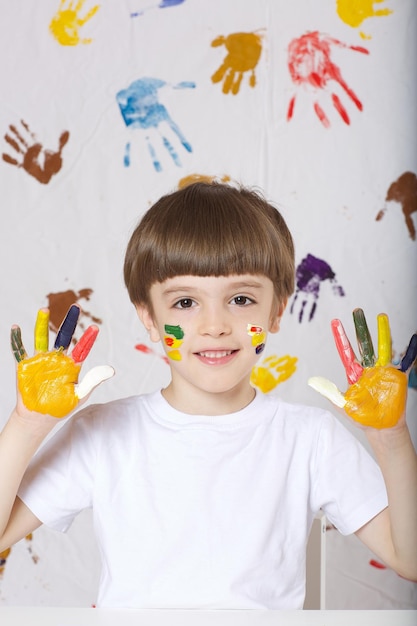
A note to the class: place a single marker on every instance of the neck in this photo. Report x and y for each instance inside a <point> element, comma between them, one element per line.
<point>201,403</point>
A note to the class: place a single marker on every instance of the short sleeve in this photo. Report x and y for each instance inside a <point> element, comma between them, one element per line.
<point>58,483</point>
<point>350,488</point>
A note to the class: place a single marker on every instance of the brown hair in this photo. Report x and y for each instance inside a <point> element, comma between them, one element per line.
<point>209,229</point>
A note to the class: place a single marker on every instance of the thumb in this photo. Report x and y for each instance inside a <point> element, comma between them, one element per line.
<point>328,390</point>
<point>92,379</point>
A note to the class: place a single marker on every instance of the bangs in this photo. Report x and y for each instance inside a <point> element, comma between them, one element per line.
<point>208,230</point>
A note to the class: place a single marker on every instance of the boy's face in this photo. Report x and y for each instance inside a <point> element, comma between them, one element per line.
<point>213,330</point>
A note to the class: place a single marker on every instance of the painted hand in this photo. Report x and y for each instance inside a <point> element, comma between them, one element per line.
<point>66,24</point>
<point>244,50</point>
<point>29,154</point>
<point>48,381</point>
<point>378,391</point>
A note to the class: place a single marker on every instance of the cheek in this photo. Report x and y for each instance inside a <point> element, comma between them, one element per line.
<point>258,337</point>
<point>173,339</point>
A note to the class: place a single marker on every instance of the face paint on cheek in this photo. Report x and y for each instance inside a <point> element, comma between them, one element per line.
<point>258,337</point>
<point>173,340</point>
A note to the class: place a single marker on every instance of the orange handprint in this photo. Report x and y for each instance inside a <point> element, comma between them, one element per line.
<point>48,381</point>
<point>244,50</point>
<point>272,372</point>
<point>378,391</point>
<point>36,160</point>
<point>66,23</point>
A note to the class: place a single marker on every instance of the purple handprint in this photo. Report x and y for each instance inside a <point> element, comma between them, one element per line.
<point>310,273</point>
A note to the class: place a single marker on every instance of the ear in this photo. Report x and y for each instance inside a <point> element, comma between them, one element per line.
<point>276,315</point>
<point>147,320</point>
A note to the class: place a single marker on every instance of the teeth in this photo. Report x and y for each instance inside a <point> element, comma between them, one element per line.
<point>215,355</point>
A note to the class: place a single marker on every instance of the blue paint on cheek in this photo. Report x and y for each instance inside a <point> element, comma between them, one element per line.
<point>260,348</point>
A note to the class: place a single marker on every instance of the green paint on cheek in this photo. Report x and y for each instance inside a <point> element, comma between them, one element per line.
<point>176,331</point>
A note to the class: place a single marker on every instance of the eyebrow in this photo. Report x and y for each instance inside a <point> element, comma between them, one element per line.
<point>236,285</point>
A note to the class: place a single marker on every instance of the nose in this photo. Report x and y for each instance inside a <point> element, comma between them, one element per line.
<point>215,321</point>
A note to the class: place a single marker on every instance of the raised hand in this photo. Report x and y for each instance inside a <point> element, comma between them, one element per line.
<point>378,390</point>
<point>48,381</point>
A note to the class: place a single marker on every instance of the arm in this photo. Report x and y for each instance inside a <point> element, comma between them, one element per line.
<point>392,535</point>
<point>47,389</point>
<point>376,401</point>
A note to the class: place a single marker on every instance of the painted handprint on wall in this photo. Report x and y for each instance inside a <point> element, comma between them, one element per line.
<point>60,302</point>
<point>164,4</point>
<point>67,22</point>
<point>30,154</point>
<point>310,274</point>
<point>243,52</point>
<point>403,191</point>
<point>140,108</point>
<point>355,13</point>
<point>273,371</point>
<point>311,66</point>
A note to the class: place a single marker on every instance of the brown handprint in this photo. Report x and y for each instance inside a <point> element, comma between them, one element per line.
<point>66,23</point>
<point>36,160</point>
<point>244,50</point>
<point>404,191</point>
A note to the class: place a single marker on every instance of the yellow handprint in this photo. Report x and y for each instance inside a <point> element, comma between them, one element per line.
<point>66,23</point>
<point>354,12</point>
<point>378,391</point>
<point>272,372</point>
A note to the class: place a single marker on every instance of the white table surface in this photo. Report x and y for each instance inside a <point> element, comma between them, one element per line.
<point>35,616</point>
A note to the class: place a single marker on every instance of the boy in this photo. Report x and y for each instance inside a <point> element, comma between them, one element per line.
<point>204,493</point>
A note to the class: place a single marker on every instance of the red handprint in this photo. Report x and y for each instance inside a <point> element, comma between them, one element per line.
<point>310,64</point>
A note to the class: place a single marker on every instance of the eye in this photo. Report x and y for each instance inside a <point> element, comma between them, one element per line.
<point>242,300</point>
<point>184,303</point>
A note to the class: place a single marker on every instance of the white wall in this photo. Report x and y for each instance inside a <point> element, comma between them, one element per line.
<point>69,233</point>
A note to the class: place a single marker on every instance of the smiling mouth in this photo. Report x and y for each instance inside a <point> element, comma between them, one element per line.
<point>215,354</point>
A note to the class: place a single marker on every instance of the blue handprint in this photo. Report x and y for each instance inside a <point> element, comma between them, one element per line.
<point>140,108</point>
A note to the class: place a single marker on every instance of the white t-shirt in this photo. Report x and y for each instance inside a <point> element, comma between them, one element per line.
<point>201,511</point>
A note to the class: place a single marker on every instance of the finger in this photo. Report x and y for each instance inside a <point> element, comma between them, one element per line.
<point>384,340</point>
<point>17,345</point>
<point>353,369</point>
<point>410,354</point>
<point>363,336</point>
<point>93,378</point>
<point>42,331</point>
<point>67,328</point>
<point>328,390</point>
<point>84,345</point>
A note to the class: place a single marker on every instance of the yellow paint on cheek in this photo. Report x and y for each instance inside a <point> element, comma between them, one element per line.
<point>47,383</point>
<point>174,355</point>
